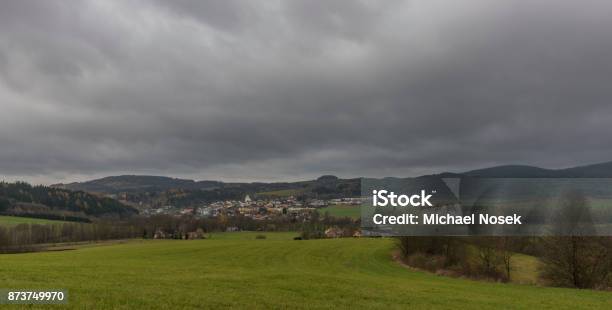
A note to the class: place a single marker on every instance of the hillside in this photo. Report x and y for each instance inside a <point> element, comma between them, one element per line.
<point>136,183</point>
<point>325,185</point>
<point>16,220</point>
<point>158,191</point>
<point>512,171</point>
<point>602,170</point>
<point>54,203</point>
<point>237,271</point>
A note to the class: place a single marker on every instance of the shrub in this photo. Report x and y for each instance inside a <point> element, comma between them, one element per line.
<point>428,262</point>
<point>581,262</point>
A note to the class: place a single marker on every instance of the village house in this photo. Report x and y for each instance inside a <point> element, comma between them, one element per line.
<point>334,232</point>
<point>198,234</point>
<point>160,234</point>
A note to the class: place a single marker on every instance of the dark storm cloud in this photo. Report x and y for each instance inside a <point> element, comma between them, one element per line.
<point>247,90</point>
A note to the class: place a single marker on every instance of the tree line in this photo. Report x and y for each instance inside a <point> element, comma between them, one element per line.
<point>567,261</point>
<point>30,237</point>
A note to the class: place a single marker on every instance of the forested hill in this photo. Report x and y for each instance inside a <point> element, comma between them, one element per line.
<point>601,170</point>
<point>324,185</point>
<point>160,191</point>
<point>138,183</point>
<point>22,198</point>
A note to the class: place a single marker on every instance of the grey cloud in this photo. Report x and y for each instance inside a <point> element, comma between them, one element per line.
<point>243,90</point>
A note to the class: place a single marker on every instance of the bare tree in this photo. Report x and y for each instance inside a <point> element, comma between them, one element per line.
<point>574,258</point>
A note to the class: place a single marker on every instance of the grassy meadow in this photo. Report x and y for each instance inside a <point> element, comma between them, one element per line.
<point>16,220</point>
<point>342,211</point>
<point>237,270</point>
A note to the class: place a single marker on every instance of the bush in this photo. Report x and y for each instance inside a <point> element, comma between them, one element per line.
<point>576,260</point>
<point>490,262</point>
<point>432,263</point>
<point>451,248</point>
<point>452,254</point>
<point>581,262</point>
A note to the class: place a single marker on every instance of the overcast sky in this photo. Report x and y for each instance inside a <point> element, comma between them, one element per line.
<point>287,90</point>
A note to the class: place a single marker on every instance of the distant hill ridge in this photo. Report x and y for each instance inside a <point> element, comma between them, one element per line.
<point>112,184</point>
<point>602,170</point>
<point>325,185</point>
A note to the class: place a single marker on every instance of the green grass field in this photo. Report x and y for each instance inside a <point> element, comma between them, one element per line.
<point>342,211</point>
<point>236,270</point>
<point>249,235</point>
<point>15,220</point>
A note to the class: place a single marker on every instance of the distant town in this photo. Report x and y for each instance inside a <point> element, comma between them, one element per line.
<point>257,209</point>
